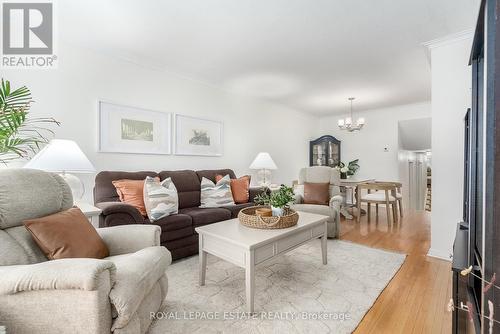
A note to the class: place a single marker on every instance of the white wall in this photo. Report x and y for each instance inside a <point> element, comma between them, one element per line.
<point>70,95</point>
<point>415,134</point>
<point>380,131</point>
<point>451,96</point>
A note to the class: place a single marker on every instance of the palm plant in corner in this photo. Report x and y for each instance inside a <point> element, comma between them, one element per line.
<point>20,135</point>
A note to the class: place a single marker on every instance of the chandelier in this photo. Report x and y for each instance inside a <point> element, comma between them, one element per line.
<point>347,124</point>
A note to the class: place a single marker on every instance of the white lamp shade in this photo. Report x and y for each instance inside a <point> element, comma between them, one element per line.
<point>61,156</point>
<point>263,161</point>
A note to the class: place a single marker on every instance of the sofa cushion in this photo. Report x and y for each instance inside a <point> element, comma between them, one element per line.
<point>136,274</point>
<point>216,195</point>
<point>104,191</point>
<point>203,216</point>
<point>182,242</point>
<point>160,198</point>
<point>187,184</point>
<point>212,173</point>
<point>174,226</point>
<point>67,234</point>
<point>316,193</point>
<point>239,188</point>
<point>235,209</point>
<point>182,247</point>
<point>185,232</point>
<point>132,192</point>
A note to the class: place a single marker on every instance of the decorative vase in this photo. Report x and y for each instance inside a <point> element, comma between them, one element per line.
<point>277,211</point>
<point>343,176</point>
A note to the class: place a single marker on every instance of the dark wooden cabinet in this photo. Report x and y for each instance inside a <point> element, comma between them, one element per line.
<point>477,242</point>
<point>324,151</point>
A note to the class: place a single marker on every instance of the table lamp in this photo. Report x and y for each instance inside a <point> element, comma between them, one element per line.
<point>64,157</point>
<point>264,163</point>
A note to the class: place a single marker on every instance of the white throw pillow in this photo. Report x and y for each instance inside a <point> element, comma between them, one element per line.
<point>160,199</point>
<point>216,195</point>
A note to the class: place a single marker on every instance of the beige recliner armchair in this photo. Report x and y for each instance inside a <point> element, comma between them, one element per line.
<point>321,174</point>
<point>115,294</point>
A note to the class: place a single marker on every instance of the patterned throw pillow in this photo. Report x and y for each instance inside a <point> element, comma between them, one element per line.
<point>216,195</point>
<point>160,199</point>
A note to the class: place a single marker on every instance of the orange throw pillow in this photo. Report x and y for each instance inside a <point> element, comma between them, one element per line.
<point>67,234</point>
<point>316,193</point>
<point>239,188</point>
<point>132,192</point>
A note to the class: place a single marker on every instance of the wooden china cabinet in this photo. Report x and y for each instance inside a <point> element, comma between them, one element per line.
<point>324,151</point>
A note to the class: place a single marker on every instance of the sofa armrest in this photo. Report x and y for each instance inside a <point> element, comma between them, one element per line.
<point>63,274</point>
<point>119,213</point>
<point>130,238</point>
<point>336,202</point>
<point>120,207</point>
<point>254,191</point>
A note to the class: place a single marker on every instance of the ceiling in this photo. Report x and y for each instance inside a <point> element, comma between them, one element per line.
<point>308,55</point>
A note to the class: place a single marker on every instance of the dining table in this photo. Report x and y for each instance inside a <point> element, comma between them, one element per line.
<point>348,189</point>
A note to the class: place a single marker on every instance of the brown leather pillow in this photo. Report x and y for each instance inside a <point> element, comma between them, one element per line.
<point>67,234</point>
<point>239,188</point>
<point>316,193</point>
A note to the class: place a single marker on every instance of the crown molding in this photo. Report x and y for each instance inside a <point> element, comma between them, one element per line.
<point>449,39</point>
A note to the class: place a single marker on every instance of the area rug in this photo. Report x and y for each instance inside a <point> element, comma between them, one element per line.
<point>295,293</point>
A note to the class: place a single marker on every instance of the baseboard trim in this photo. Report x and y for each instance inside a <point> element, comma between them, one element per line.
<point>439,254</point>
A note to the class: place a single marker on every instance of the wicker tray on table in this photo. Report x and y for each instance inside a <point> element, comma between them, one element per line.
<point>248,218</point>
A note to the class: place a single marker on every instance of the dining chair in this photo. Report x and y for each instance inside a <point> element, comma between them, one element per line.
<point>377,193</point>
<point>397,192</point>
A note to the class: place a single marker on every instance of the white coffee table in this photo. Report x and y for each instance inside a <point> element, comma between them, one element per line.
<point>247,247</point>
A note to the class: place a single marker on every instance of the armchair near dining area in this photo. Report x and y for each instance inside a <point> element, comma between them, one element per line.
<point>318,191</point>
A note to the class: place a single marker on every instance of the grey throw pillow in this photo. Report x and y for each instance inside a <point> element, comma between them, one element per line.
<point>216,195</point>
<point>160,198</point>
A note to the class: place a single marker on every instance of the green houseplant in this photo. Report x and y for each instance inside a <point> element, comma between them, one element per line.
<point>348,170</point>
<point>278,200</point>
<point>20,135</point>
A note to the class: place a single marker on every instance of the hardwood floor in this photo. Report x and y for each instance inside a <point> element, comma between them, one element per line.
<point>415,300</point>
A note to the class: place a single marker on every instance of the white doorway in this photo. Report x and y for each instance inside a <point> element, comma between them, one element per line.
<point>417,181</point>
<point>414,161</point>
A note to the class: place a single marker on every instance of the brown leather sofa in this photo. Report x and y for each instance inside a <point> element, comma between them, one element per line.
<point>178,233</point>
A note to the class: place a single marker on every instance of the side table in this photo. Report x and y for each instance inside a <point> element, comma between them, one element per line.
<point>90,211</point>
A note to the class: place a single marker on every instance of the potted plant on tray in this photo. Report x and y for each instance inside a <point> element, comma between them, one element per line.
<point>278,200</point>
